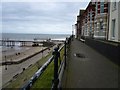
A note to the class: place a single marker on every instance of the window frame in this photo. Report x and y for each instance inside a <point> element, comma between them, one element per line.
<point>113,27</point>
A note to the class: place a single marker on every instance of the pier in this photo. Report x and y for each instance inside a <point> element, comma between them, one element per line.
<point>7,42</point>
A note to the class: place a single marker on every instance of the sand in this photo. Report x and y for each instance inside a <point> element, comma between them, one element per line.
<point>13,54</point>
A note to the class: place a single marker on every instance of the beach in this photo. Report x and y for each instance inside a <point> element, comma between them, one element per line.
<point>9,71</point>
<point>28,55</point>
<point>14,69</point>
<point>18,53</point>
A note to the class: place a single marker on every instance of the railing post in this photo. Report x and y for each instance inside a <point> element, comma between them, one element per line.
<point>65,53</point>
<point>56,56</point>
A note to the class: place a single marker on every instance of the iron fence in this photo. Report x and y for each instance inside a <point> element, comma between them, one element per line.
<point>58,71</point>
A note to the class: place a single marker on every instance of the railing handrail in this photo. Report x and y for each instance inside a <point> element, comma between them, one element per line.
<point>45,65</point>
<point>59,73</point>
<point>60,67</point>
<point>59,70</point>
<point>39,72</point>
<point>61,48</point>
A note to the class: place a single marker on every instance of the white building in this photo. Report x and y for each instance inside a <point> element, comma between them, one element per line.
<point>114,22</point>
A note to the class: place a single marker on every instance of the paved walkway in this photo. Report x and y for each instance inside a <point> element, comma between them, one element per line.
<point>92,71</point>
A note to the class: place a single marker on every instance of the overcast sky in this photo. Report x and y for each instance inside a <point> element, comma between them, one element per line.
<point>40,17</point>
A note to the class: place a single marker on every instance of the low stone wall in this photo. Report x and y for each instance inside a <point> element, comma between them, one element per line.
<point>107,48</point>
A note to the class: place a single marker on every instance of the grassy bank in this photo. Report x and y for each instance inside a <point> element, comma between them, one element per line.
<point>23,77</point>
<point>45,81</point>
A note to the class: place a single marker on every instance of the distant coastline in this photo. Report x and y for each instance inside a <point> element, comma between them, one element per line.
<point>24,36</point>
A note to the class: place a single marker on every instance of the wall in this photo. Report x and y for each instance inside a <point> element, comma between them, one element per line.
<point>114,15</point>
<point>109,49</point>
<point>119,21</point>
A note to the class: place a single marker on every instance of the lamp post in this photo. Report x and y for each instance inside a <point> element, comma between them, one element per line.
<point>73,31</point>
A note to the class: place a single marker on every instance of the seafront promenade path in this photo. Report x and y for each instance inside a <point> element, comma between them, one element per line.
<point>90,69</point>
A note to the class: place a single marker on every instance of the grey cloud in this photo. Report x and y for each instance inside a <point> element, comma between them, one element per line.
<point>34,16</point>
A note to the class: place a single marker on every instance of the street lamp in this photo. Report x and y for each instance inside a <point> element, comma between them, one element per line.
<point>72,30</point>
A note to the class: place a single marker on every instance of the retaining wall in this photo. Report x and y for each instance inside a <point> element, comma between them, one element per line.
<point>107,48</point>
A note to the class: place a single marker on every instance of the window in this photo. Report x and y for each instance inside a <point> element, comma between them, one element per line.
<point>86,19</point>
<point>114,5</point>
<point>102,6</point>
<point>113,28</point>
<point>96,7</point>
<point>96,25</point>
<point>90,27</point>
<point>91,15</point>
<point>88,16</point>
<point>101,25</point>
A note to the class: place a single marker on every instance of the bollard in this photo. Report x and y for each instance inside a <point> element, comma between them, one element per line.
<point>56,56</point>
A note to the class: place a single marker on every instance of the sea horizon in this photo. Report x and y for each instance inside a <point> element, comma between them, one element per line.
<point>36,33</point>
<point>30,36</point>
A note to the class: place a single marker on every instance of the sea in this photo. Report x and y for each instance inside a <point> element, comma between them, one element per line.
<point>19,36</point>
<point>27,37</point>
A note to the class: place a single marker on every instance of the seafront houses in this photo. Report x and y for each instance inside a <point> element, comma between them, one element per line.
<point>100,28</point>
<point>77,27</point>
<point>114,21</point>
<point>76,32</point>
<point>94,20</point>
<point>101,19</point>
<point>88,21</point>
<point>88,27</point>
<point>85,21</point>
<point>78,24</point>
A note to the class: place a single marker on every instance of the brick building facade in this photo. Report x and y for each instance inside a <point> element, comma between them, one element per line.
<point>93,21</point>
<point>101,19</point>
